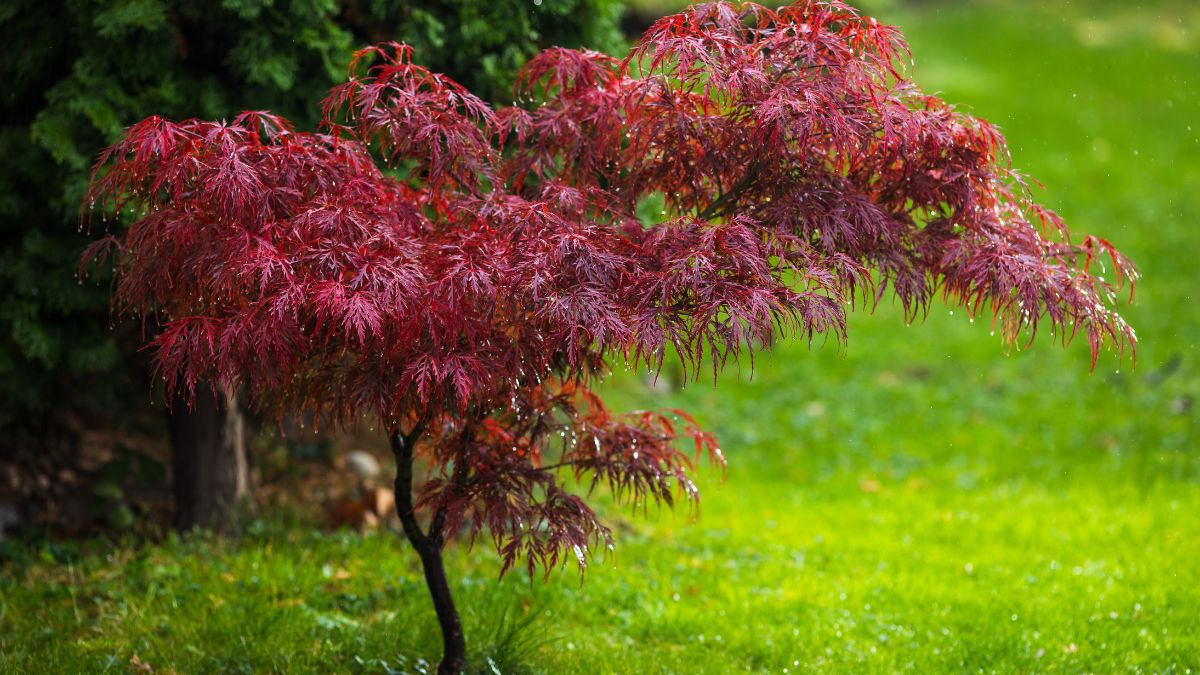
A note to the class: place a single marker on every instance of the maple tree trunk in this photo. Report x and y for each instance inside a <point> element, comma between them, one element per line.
<point>429,548</point>
<point>210,467</point>
<point>454,644</point>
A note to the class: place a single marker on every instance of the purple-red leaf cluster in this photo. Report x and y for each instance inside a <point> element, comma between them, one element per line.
<point>477,286</point>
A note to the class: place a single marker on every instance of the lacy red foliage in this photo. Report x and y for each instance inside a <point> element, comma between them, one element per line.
<point>473,291</point>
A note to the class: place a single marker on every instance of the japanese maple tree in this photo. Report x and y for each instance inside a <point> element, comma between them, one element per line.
<point>468,298</point>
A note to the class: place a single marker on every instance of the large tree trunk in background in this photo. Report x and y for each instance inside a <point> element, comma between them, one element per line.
<point>210,466</point>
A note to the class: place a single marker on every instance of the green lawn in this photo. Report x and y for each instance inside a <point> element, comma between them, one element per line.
<point>922,501</point>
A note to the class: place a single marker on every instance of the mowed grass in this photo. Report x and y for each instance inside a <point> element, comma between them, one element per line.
<point>920,501</point>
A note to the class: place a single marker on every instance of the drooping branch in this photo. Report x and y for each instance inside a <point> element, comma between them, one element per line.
<point>801,122</point>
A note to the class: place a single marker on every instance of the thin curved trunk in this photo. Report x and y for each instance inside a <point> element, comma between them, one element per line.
<point>429,549</point>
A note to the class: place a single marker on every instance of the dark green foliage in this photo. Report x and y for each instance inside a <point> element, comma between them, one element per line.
<point>76,73</point>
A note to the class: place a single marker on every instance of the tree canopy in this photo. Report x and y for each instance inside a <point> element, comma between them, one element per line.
<point>468,296</point>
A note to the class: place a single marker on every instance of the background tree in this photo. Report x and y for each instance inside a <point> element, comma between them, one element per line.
<point>467,300</point>
<point>80,72</point>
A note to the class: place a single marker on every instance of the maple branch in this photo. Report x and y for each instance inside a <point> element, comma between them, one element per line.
<point>458,481</point>
<point>725,198</point>
<point>559,465</point>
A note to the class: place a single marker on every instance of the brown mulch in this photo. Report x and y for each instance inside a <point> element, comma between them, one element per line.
<point>109,482</point>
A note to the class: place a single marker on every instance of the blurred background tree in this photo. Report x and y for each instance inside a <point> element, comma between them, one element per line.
<point>75,74</point>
